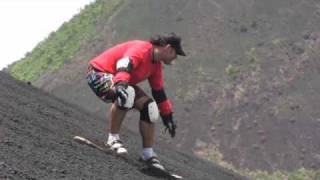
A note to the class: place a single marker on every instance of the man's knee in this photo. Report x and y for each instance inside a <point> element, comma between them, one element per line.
<point>128,102</point>
<point>149,112</point>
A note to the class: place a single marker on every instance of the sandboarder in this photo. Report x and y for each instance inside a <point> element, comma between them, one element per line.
<point>113,76</point>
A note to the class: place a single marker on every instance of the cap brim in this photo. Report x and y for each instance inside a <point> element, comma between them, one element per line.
<point>181,52</point>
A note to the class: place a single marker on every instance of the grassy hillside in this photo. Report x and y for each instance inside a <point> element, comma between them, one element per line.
<point>60,47</point>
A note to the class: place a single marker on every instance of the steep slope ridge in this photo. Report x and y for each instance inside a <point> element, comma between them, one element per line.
<point>36,142</point>
<point>247,88</point>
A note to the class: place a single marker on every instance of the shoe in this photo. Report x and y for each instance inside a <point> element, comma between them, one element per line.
<point>117,147</point>
<point>154,164</point>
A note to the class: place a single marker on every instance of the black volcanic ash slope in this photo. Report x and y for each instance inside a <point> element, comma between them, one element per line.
<point>35,142</point>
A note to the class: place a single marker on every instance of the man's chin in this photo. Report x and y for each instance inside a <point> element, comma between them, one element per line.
<point>169,63</point>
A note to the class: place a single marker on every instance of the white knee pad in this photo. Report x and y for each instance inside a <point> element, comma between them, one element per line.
<point>149,112</point>
<point>153,112</point>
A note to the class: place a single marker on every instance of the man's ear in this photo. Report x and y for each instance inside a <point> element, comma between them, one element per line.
<point>167,46</point>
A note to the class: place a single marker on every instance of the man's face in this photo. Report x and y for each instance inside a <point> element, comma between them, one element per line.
<point>168,54</point>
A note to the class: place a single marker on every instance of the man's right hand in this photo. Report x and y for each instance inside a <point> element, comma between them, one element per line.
<point>121,93</point>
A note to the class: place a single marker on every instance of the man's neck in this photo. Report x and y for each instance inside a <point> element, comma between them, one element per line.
<point>155,54</point>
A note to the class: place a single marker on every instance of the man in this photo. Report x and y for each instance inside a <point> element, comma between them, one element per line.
<point>113,76</point>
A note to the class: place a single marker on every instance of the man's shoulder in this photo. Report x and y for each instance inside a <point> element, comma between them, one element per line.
<point>138,43</point>
<point>139,48</point>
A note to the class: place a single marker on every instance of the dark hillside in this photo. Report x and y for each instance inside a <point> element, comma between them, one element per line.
<point>247,90</point>
<point>36,131</point>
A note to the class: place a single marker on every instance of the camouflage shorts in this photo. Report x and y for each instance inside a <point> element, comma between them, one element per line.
<point>102,85</point>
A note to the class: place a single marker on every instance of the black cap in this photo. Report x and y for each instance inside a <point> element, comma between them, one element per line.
<point>169,38</point>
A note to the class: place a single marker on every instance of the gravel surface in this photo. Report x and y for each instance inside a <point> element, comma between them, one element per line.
<point>36,131</point>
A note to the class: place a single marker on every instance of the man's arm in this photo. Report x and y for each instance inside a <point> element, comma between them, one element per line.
<point>164,104</point>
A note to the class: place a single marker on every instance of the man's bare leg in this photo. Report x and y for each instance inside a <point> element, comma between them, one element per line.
<point>147,134</point>
<point>147,130</point>
<point>116,118</point>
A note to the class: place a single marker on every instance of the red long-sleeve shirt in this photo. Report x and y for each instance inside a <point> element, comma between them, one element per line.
<point>140,54</point>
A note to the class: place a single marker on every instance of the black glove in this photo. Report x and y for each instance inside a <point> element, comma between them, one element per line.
<point>121,93</point>
<point>170,124</point>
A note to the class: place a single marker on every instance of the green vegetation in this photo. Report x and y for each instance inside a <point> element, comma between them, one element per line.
<point>278,41</point>
<point>61,46</point>
<point>232,71</point>
<point>213,154</point>
<point>250,63</point>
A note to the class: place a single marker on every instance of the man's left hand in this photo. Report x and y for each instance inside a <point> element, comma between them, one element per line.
<point>170,124</point>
